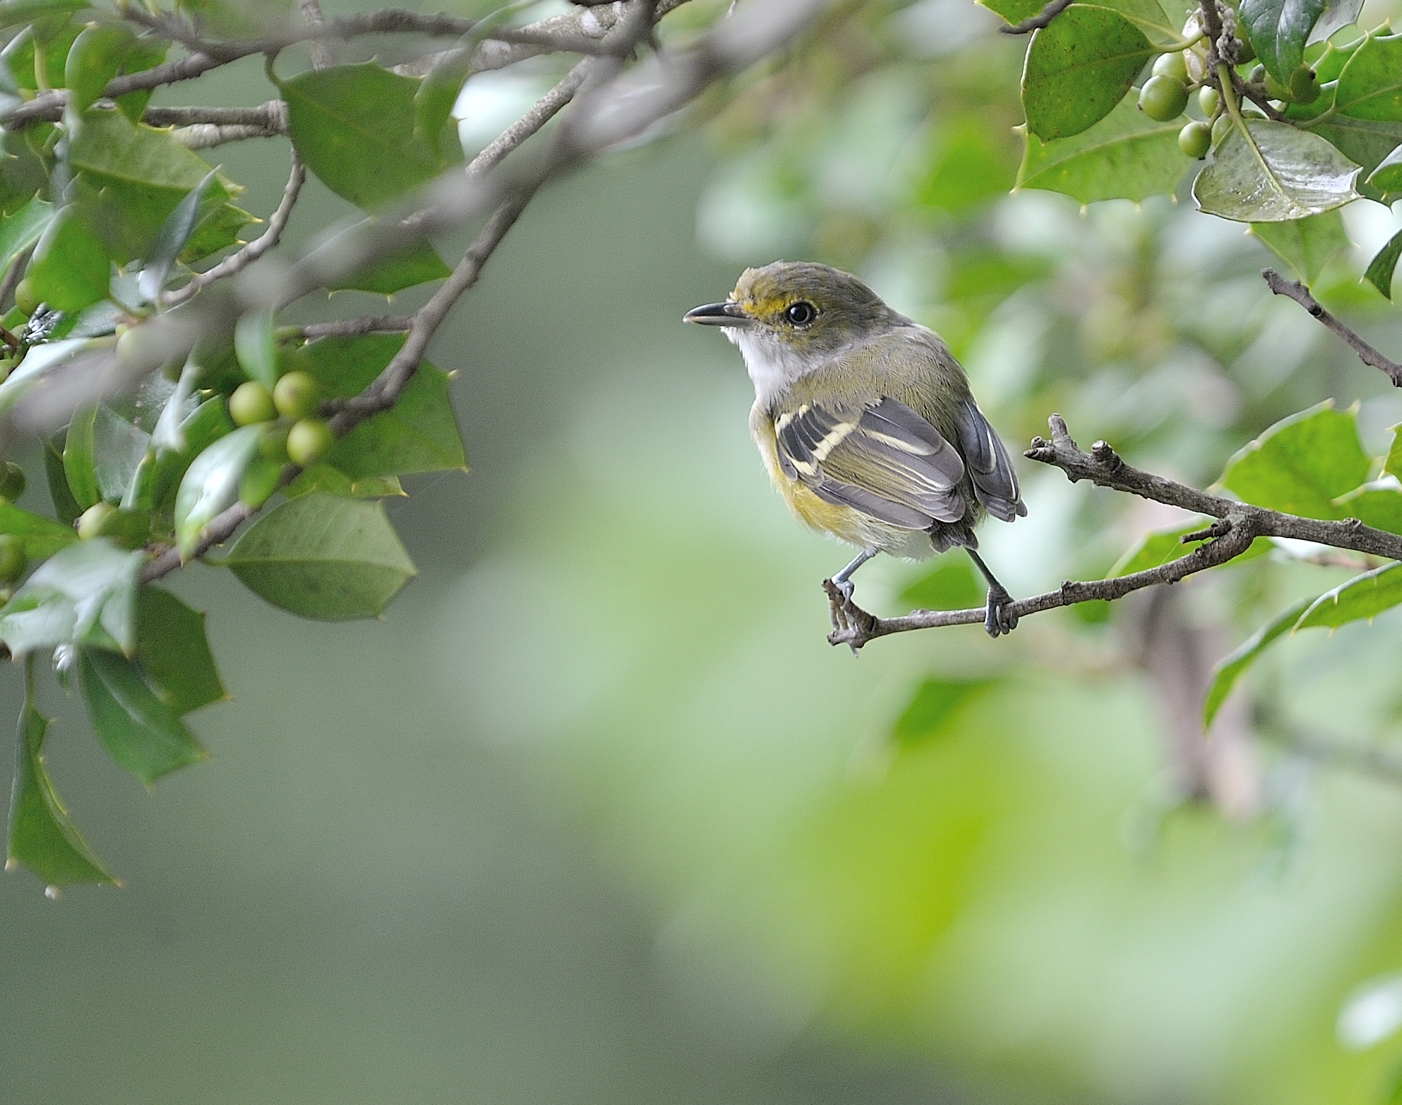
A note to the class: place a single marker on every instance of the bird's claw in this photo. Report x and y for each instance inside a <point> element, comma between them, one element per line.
<point>998,619</point>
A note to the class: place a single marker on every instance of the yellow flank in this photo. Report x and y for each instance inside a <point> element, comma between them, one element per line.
<point>841,521</point>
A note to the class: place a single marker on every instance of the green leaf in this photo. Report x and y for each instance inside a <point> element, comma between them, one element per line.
<point>934,708</point>
<point>15,12</point>
<point>208,423</point>
<point>210,484</point>
<point>1301,464</point>
<point>1273,172</point>
<point>94,59</point>
<point>171,239</point>
<point>1014,11</point>
<point>1370,86</point>
<point>437,92</point>
<point>173,652</point>
<point>1078,68</point>
<point>70,268</point>
<point>418,264</point>
<point>78,458</point>
<point>1364,596</point>
<point>23,229</point>
<point>148,52</point>
<point>1230,667</point>
<point>1387,177</point>
<point>322,477</point>
<point>41,537</point>
<point>346,365</point>
<point>1383,266</point>
<point>417,434</point>
<point>323,556</point>
<point>1392,463</point>
<point>1379,507</point>
<point>1364,141</point>
<point>119,448</point>
<point>1162,546</point>
<point>353,125</point>
<point>1306,245</point>
<point>1278,30</point>
<point>40,835</point>
<point>65,506</point>
<point>140,731</point>
<point>950,585</point>
<point>255,348</point>
<point>1124,156</point>
<point>83,594</point>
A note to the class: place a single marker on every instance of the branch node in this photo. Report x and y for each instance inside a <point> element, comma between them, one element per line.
<point>1104,455</point>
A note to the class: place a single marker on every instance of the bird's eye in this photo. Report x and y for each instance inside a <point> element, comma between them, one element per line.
<point>800,313</point>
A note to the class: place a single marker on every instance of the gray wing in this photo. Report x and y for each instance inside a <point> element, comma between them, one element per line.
<point>995,482</point>
<point>886,461</point>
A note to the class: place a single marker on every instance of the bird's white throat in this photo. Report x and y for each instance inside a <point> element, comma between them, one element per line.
<point>772,365</point>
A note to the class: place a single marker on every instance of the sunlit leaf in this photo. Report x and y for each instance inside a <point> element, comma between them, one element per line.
<point>1301,464</point>
<point>211,484</point>
<point>42,537</point>
<point>1370,86</point>
<point>1306,245</point>
<point>1230,667</point>
<point>323,556</point>
<point>1274,172</point>
<point>83,594</point>
<point>1078,68</point>
<point>142,733</point>
<point>1364,596</point>
<point>949,585</point>
<point>1156,549</point>
<point>1379,507</point>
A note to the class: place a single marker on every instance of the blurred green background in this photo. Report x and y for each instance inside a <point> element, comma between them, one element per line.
<point>596,815</point>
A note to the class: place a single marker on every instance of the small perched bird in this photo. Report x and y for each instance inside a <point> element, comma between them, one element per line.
<point>865,420</point>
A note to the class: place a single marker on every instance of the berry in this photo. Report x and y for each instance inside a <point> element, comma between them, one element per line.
<point>1163,98</point>
<point>13,558</point>
<point>1210,100</point>
<point>1220,128</point>
<point>251,402</point>
<point>1195,139</point>
<point>1304,85</point>
<point>1172,65</point>
<point>25,299</point>
<point>11,482</point>
<point>1245,52</point>
<point>90,523</point>
<point>308,441</point>
<point>295,395</point>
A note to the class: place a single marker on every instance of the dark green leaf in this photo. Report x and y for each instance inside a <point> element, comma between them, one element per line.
<point>936,705</point>
<point>94,59</point>
<point>65,505</point>
<point>70,268</point>
<point>1364,596</point>
<point>1278,30</point>
<point>323,556</point>
<point>354,127</point>
<point>22,229</point>
<point>1301,464</point>
<point>1306,245</point>
<point>1230,667</point>
<point>173,652</point>
<point>1014,11</point>
<point>1078,68</point>
<point>255,348</point>
<point>417,434</point>
<point>84,594</point>
<point>346,365</point>
<point>1384,265</point>
<point>1387,177</point>
<point>1370,86</point>
<point>171,239</point>
<point>78,458</point>
<point>1124,156</point>
<point>141,732</point>
<point>1273,172</point>
<point>40,834</point>
<point>211,483</point>
<point>416,265</point>
<point>437,92</point>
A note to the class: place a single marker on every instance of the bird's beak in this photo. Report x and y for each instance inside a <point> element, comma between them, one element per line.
<point>718,314</point>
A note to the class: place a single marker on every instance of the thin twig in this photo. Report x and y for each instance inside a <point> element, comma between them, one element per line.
<point>271,115</point>
<point>353,327</point>
<point>255,249</point>
<point>1237,525</point>
<point>1293,289</point>
<point>322,56</point>
<point>1038,21</point>
<point>541,113</point>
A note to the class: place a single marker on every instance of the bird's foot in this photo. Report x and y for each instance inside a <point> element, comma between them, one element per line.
<point>851,625</point>
<point>999,619</point>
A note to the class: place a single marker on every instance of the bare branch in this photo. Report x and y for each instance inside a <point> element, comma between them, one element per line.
<point>255,249</point>
<point>322,56</point>
<point>1293,289</point>
<point>541,113</point>
<point>1237,525</point>
<point>352,327</point>
<point>1038,21</point>
<point>219,529</point>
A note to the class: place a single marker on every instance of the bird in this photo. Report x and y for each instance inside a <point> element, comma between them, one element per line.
<point>865,421</point>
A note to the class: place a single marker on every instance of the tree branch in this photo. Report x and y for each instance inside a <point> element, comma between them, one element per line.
<point>541,113</point>
<point>1038,21</point>
<point>1293,289</point>
<point>353,327</point>
<point>1237,525</point>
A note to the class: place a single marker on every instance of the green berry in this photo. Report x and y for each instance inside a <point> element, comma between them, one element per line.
<point>1245,52</point>
<point>90,523</point>
<point>1195,139</point>
<point>308,441</point>
<point>1275,90</point>
<point>1210,100</point>
<point>1220,128</point>
<point>25,299</point>
<point>1173,65</point>
<point>1304,85</point>
<point>251,402</point>
<point>11,482</point>
<point>295,395</point>
<point>1163,98</point>
<point>13,558</point>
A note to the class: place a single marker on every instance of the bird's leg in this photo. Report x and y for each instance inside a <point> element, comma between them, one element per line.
<point>840,594</point>
<point>997,621</point>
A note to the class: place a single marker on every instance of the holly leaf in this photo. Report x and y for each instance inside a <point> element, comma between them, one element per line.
<point>83,594</point>
<point>171,238</point>
<point>323,556</point>
<point>1278,31</point>
<point>173,652</point>
<point>1363,597</point>
<point>70,268</point>
<point>1301,464</point>
<point>417,434</point>
<point>1383,266</point>
<point>1078,68</point>
<point>141,732</point>
<point>1230,667</point>
<point>1306,245</point>
<point>23,229</point>
<point>211,484</point>
<point>1370,86</point>
<point>1268,172</point>
<point>418,264</point>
